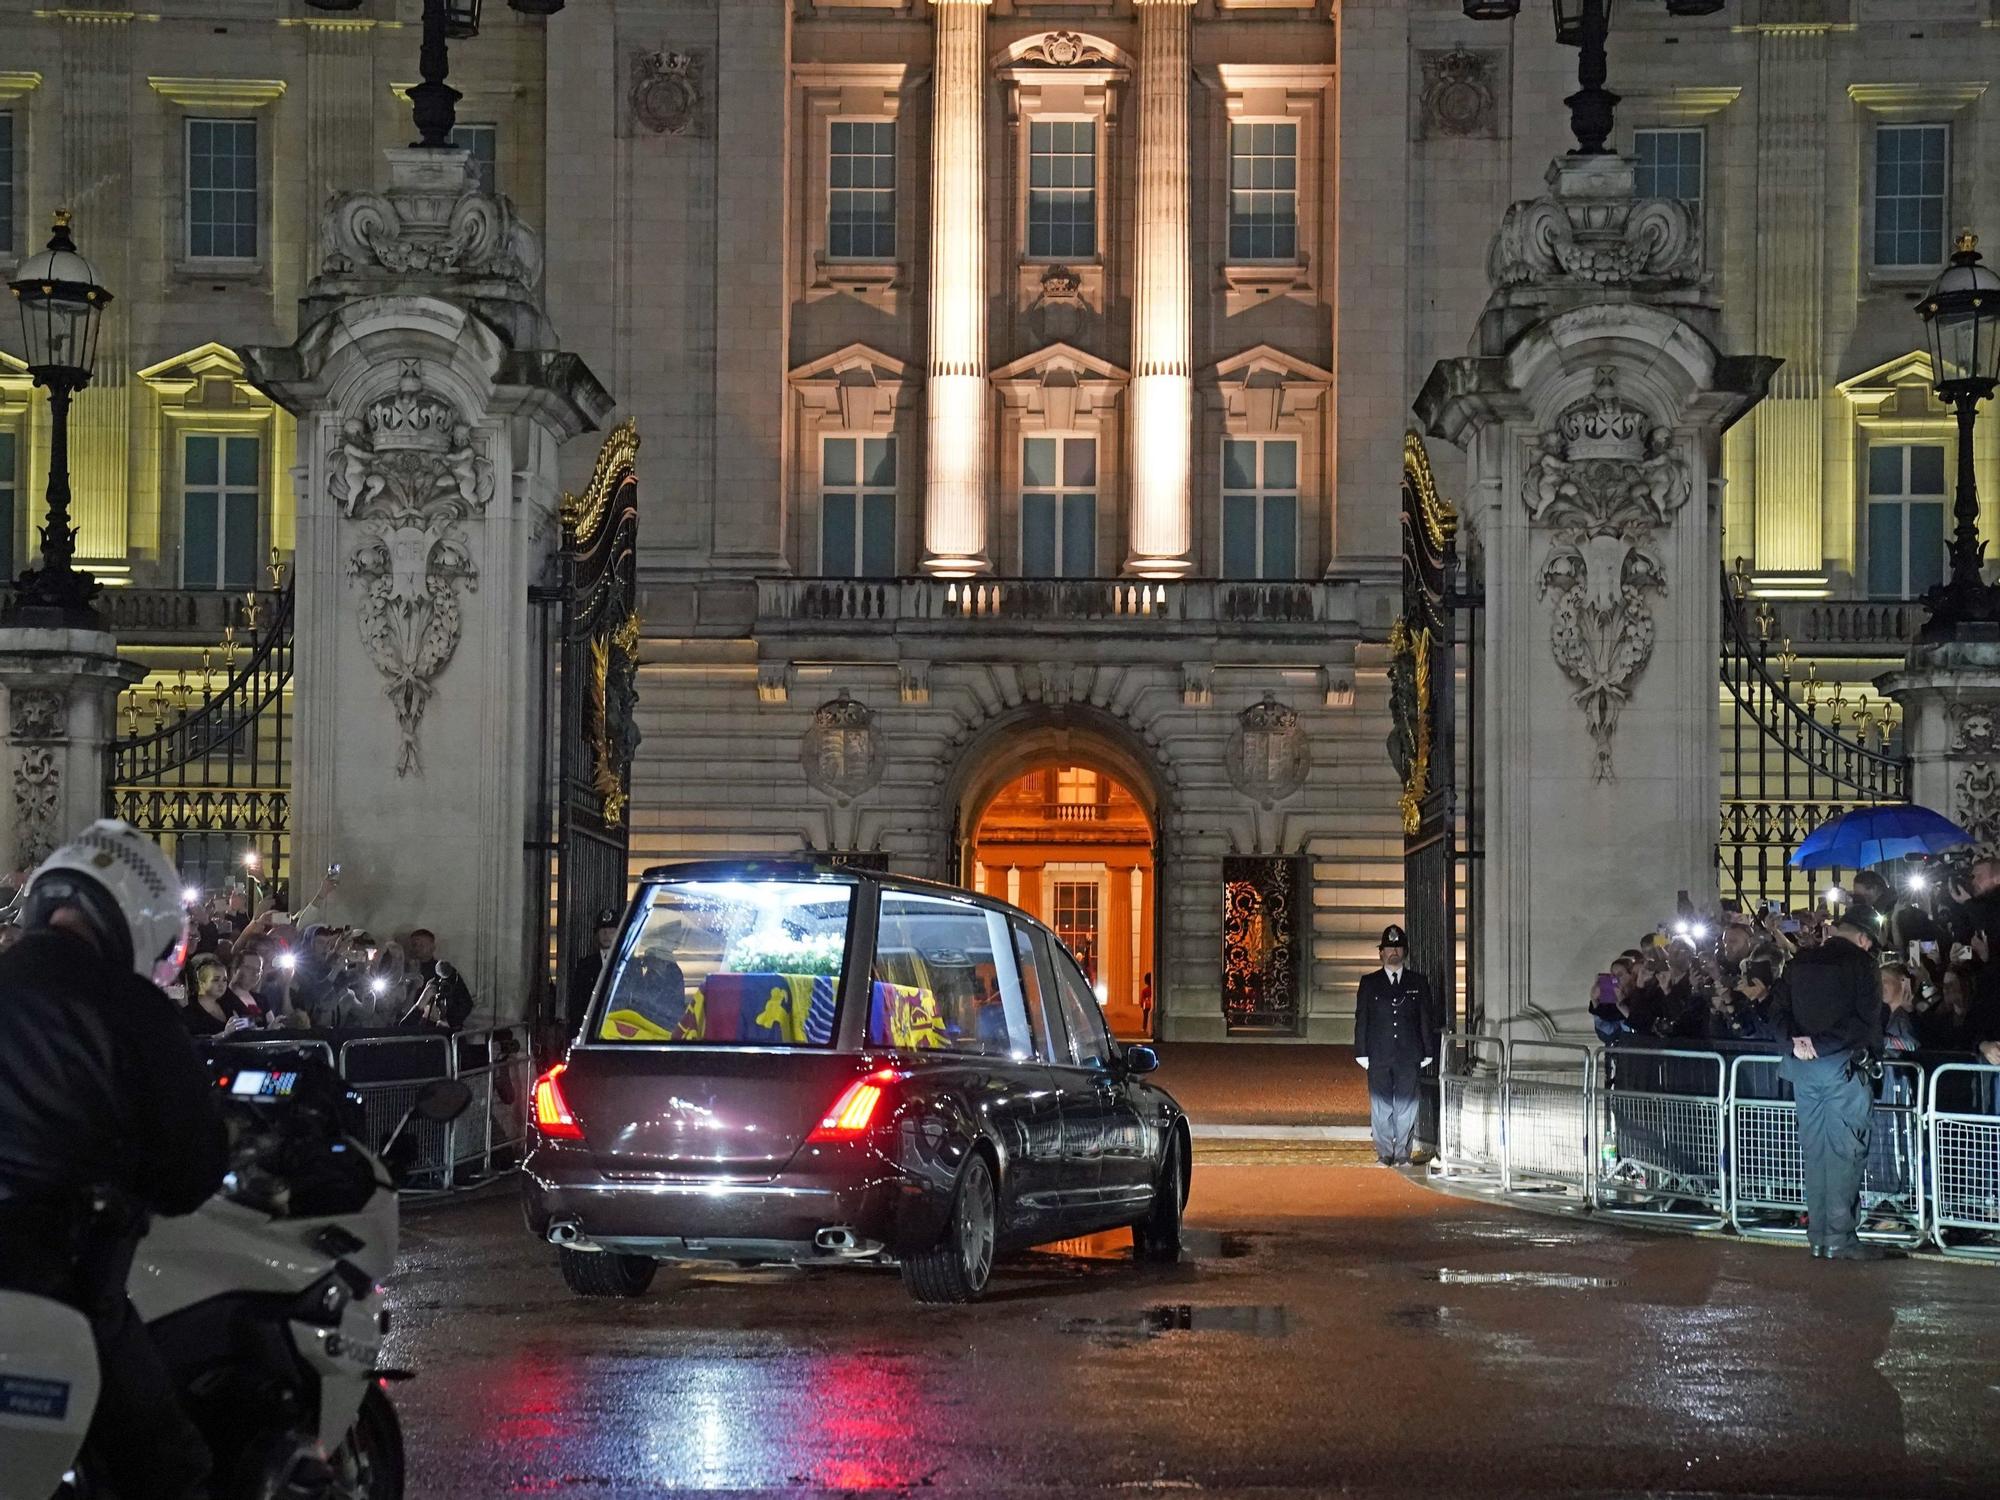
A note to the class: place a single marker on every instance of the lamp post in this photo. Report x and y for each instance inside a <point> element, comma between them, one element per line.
<point>433,102</point>
<point>1586,26</point>
<point>1961,313</point>
<point>61,305</point>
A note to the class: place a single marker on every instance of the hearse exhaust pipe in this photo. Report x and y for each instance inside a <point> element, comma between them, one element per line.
<point>564,1232</point>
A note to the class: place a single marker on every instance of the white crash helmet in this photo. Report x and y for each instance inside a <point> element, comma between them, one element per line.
<point>124,885</point>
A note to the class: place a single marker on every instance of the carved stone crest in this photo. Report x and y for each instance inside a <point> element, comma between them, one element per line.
<point>1605,479</point>
<point>842,752</point>
<point>1977,802</point>
<point>408,473</point>
<point>37,714</point>
<point>37,801</point>
<point>666,91</point>
<point>1268,756</point>
<point>1597,236</point>
<point>1458,99</point>
<point>1064,49</point>
<point>1975,728</point>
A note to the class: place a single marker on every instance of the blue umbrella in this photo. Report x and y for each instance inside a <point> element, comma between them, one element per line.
<point>1869,836</point>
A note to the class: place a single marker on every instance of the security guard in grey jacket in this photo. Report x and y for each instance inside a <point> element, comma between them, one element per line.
<point>1830,1012</point>
<point>1395,1039</point>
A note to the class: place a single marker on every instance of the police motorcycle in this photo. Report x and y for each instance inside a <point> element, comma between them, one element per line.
<point>266,1303</point>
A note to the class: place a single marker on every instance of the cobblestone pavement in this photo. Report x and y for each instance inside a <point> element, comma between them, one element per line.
<point>1334,1329</point>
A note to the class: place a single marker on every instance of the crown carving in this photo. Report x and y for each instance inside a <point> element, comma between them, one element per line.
<point>1602,426</point>
<point>411,418</point>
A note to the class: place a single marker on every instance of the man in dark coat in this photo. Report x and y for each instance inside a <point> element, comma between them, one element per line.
<point>584,972</point>
<point>1395,1039</point>
<point>1830,1011</point>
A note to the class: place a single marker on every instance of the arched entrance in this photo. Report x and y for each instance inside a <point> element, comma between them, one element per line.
<point>1063,823</point>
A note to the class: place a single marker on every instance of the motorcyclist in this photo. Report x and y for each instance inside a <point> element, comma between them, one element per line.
<point>106,1116</point>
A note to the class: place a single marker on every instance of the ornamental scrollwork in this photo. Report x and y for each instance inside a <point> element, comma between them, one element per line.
<point>408,474</point>
<point>1606,480</point>
<point>1065,49</point>
<point>1459,98</point>
<point>612,724</point>
<point>842,752</point>
<point>429,230</point>
<point>666,91</point>
<point>1410,714</point>
<point>1977,802</point>
<point>1597,241</point>
<point>1268,756</point>
<point>37,804</point>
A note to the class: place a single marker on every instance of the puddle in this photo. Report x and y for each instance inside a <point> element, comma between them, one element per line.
<point>1267,1321</point>
<point>1116,1244</point>
<point>1428,1318</point>
<point>1558,1280</point>
<point>1210,1244</point>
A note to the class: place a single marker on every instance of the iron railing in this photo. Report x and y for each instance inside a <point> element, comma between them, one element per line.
<point>211,778</point>
<point>1785,770</point>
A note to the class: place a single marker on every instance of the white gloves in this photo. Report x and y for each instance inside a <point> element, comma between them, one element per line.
<point>1364,1063</point>
<point>1427,1062</point>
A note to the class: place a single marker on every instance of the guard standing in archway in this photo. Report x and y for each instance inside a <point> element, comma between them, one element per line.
<point>1395,1039</point>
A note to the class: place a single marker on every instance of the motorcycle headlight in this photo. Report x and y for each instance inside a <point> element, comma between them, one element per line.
<point>324,1301</point>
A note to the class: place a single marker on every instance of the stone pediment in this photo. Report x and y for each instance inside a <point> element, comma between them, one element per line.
<point>1267,360</point>
<point>204,362</point>
<point>1898,388</point>
<point>1264,385</point>
<point>1060,50</point>
<point>1059,383</point>
<point>1059,359</point>
<point>861,383</point>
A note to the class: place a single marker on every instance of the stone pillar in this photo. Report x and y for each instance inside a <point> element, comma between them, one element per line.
<point>1949,692</point>
<point>1162,301</point>
<point>955,446</point>
<point>62,690</point>
<point>430,395</point>
<point>1592,408</point>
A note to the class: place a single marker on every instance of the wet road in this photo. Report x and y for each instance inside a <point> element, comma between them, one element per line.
<point>1336,1330</point>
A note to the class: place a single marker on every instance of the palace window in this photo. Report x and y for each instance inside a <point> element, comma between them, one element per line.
<point>1260,508</point>
<point>1671,163</point>
<point>857,507</point>
<point>219,490</point>
<point>9,495</point>
<point>1059,507</point>
<point>483,141</point>
<point>1263,192</point>
<point>6,185</point>
<point>861,190</point>
<point>1906,519</point>
<point>1911,172</point>
<point>1062,189</point>
<point>222,189</point>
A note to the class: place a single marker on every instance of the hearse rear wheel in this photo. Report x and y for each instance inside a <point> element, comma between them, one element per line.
<point>603,1273</point>
<point>955,1269</point>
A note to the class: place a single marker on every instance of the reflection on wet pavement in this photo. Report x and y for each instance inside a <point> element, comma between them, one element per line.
<point>1182,1317</point>
<point>1561,1280</point>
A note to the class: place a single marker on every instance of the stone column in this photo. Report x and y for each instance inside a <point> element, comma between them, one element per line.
<point>1162,301</point>
<point>1592,408</point>
<point>955,446</point>
<point>1949,692</point>
<point>430,394</point>
<point>62,690</point>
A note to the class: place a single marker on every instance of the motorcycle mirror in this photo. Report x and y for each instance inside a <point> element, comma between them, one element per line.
<point>443,1099</point>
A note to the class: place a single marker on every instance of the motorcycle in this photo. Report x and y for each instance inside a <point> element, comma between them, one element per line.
<point>266,1303</point>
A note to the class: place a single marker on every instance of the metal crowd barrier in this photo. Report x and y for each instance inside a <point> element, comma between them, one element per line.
<point>1964,1153</point>
<point>1705,1139</point>
<point>1471,1070</point>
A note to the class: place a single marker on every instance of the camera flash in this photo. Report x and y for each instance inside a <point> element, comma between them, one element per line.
<point>189,895</point>
<point>1917,882</point>
<point>379,986</point>
<point>1681,929</point>
<point>287,961</point>
<point>1833,893</point>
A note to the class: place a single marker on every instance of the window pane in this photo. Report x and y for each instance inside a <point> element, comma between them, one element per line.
<point>1038,463</point>
<point>836,552</point>
<point>861,198</point>
<point>7,497</point>
<point>221,173</point>
<point>1079,549</point>
<point>878,536</point>
<point>1263,203</point>
<point>1062,199</point>
<point>1885,470</point>
<point>1281,466</point>
<point>1038,536</point>
<point>1079,463</point>
<point>731,963</point>
<point>1281,536</point>
<point>936,981</point>
<point>1239,536</point>
<point>1089,1043</point>
<point>239,543</point>
<point>483,142</point>
<point>198,539</point>
<point>1885,551</point>
<point>1029,961</point>
<point>1239,465</point>
<point>837,461</point>
<point>1926,546</point>
<point>203,466</point>
<point>878,462</point>
<point>7,197</point>
<point>1910,193</point>
<point>1927,470</point>
<point>242,468</point>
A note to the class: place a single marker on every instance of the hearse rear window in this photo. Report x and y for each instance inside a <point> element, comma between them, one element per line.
<point>732,963</point>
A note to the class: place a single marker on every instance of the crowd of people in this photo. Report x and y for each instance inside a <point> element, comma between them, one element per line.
<point>1723,976</point>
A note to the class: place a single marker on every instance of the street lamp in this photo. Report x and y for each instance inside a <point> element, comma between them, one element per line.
<point>1961,312</point>
<point>61,305</point>
<point>434,103</point>
<point>1585,25</point>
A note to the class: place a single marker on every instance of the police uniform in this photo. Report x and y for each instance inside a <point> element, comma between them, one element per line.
<point>1395,1033</point>
<point>584,972</point>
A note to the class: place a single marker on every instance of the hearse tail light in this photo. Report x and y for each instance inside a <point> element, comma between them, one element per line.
<point>853,1113</point>
<point>552,1112</point>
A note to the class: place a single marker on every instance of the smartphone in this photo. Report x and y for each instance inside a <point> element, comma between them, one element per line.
<point>1928,948</point>
<point>333,870</point>
<point>1790,924</point>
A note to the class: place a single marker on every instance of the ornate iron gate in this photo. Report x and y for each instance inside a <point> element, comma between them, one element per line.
<point>1261,951</point>
<point>1423,744</point>
<point>210,777</point>
<point>596,693</point>
<point>1785,771</point>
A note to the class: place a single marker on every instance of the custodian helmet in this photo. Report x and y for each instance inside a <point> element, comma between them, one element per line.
<point>124,887</point>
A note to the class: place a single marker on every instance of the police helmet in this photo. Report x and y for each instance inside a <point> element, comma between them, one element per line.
<point>124,887</point>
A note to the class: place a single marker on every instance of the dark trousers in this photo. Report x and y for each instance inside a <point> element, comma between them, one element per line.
<point>141,1442</point>
<point>1834,1114</point>
<point>1392,1105</point>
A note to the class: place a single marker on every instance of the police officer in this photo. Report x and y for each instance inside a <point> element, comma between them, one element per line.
<point>1395,1039</point>
<point>106,1115</point>
<point>584,972</point>
<point>1830,1011</point>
